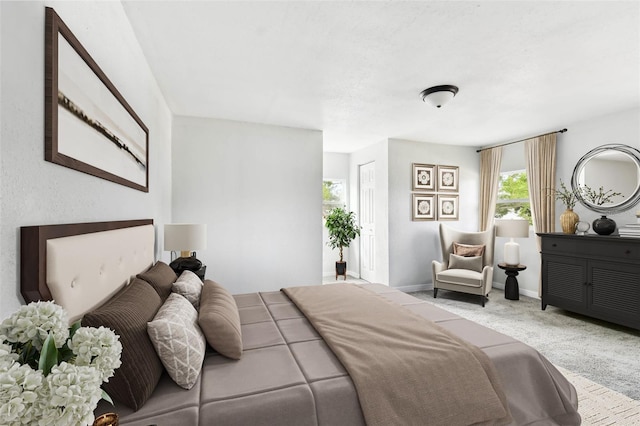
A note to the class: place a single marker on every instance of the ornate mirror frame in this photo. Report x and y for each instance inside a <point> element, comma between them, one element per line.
<point>577,179</point>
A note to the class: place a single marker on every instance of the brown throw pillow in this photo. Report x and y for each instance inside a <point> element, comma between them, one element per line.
<point>161,277</point>
<point>472,263</point>
<point>468,249</point>
<point>127,314</point>
<point>219,320</point>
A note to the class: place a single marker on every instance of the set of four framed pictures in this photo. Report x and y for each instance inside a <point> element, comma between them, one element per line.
<point>441,179</point>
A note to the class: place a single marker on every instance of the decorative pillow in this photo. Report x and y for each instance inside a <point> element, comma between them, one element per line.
<point>472,263</point>
<point>467,249</point>
<point>161,277</point>
<point>178,340</point>
<point>220,321</point>
<point>189,286</point>
<point>127,314</point>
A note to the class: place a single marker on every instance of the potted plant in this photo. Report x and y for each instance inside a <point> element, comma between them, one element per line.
<point>343,229</point>
<point>569,218</point>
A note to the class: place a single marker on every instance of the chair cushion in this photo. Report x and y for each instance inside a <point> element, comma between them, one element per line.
<point>460,277</point>
<point>467,250</point>
<point>472,263</point>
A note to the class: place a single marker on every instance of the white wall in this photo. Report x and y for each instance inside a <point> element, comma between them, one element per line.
<point>378,153</point>
<point>35,192</point>
<point>259,190</point>
<point>414,244</point>
<point>334,166</point>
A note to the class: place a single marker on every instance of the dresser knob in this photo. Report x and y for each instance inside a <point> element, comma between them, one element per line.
<point>554,245</point>
<point>627,252</point>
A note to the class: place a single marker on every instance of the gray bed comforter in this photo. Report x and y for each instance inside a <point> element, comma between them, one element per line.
<point>289,376</point>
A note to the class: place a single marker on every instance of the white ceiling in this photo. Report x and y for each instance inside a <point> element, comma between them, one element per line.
<point>355,69</point>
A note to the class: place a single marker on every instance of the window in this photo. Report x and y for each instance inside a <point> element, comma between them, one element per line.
<point>333,194</point>
<point>513,196</point>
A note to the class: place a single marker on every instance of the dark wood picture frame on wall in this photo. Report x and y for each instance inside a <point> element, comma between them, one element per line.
<point>89,126</point>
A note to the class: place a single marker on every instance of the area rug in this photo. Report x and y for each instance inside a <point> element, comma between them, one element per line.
<point>600,406</point>
<point>602,352</point>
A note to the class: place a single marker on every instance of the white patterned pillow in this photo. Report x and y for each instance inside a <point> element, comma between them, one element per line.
<point>190,286</point>
<point>178,340</point>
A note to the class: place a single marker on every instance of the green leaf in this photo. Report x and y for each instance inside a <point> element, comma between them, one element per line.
<point>74,327</point>
<point>106,397</point>
<point>48,356</point>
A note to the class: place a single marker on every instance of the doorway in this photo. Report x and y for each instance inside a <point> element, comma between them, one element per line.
<point>367,183</point>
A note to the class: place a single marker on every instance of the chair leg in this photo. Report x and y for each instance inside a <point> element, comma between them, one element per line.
<point>435,292</point>
<point>483,299</point>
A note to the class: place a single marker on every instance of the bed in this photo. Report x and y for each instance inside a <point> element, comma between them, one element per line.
<point>289,372</point>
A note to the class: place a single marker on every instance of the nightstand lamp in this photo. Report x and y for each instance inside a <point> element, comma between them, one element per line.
<point>185,238</point>
<point>512,228</point>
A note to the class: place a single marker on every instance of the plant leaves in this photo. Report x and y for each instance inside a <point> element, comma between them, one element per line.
<point>74,327</point>
<point>48,356</point>
<point>106,397</point>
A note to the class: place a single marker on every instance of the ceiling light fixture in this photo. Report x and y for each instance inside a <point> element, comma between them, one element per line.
<point>439,95</point>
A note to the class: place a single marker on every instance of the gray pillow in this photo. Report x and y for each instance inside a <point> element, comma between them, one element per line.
<point>472,263</point>
<point>178,340</point>
<point>189,285</point>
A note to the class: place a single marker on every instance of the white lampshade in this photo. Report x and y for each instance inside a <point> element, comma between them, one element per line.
<point>512,228</point>
<point>185,237</point>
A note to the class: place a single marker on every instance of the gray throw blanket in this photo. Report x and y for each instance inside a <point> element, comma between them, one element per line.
<point>406,369</point>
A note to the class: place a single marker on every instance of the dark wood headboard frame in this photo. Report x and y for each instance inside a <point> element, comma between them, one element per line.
<point>33,251</point>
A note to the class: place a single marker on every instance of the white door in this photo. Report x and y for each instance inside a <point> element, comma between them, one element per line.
<point>367,221</point>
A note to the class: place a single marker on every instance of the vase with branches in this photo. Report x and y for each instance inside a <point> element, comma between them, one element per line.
<point>569,197</point>
<point>599,197</point>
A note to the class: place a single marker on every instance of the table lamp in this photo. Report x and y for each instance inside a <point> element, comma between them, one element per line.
<point>512,228</point>
<point>185,238</point>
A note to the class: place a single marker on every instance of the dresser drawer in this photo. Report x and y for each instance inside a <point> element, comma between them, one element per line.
<point>594,246</point>
<point>559,245</point>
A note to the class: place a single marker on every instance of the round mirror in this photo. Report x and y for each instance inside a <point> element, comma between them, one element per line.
<point>607,179</point>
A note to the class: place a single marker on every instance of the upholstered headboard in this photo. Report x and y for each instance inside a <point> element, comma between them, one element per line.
<point>81,265</point>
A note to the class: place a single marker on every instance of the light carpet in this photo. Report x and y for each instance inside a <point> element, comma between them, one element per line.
<point>601,359</point>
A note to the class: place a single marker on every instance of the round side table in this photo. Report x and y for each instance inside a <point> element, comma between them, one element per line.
<point>511,288</point>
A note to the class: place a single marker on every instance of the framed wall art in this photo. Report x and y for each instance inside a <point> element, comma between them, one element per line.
<point>89,126</point>
<point>424,177</point>
<point>448,178</point>
<point>447,207</point>
<point>424,206</point>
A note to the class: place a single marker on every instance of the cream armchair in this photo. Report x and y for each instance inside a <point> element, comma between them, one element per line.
<point>467,275</point>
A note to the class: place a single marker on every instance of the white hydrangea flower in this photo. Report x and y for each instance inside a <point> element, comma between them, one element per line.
<point>73,393</point>
<point>20,388</point>
<point>97,347</point>
<point>33,322</point>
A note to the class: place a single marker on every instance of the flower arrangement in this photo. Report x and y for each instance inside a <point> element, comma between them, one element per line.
<point>51,373</point>
<point>599,197</point>
<point>566,195</point>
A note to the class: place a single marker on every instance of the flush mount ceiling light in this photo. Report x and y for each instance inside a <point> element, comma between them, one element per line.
<point>439,95</point>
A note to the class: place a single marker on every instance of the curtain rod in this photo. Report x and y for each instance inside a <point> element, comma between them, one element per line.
<point>521,140</point>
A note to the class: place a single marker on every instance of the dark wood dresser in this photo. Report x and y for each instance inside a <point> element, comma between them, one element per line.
<point>593,275</point>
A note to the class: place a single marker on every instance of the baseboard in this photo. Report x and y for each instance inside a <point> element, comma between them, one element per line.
<point>524,292</point>
<point>416,287</point>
